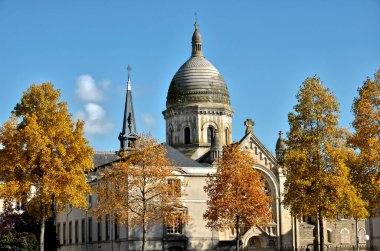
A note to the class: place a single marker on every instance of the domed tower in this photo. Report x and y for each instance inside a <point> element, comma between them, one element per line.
<point>198,105</point>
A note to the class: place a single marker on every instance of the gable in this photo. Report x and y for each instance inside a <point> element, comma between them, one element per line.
<point>260,153</point>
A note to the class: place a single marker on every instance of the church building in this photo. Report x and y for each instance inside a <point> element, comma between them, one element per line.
<point>199,120</point>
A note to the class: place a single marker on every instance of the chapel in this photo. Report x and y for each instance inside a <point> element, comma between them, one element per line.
<point>199,118</point>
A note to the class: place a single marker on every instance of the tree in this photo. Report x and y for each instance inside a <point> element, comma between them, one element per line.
<point>44,156</point>
<point>237,196</point>
<point>16,229</point>
<point>366,139</point>
<point>136,191</point>
<point>317,174</point>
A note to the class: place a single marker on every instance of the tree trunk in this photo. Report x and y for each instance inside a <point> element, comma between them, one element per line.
<point>144,237</point>
<point>42,234</point>
<point>321,232</point>
<point>237,232</point>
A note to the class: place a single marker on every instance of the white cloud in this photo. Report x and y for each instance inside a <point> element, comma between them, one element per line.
<point>95,118</point>
<point>94,111</point>
<point>149,120</point>
<point>105,84</point>
<point>88,90</point>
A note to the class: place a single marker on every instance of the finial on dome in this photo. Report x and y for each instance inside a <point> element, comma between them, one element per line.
<point>196,41</point>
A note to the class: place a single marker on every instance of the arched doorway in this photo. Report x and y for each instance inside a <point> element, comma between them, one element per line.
<point>254,243</point>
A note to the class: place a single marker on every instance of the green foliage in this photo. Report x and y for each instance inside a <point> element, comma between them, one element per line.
<point>18,242</point>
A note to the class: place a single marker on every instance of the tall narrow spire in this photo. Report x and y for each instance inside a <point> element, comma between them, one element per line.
<point>128,133</point>
<point>196,42</point>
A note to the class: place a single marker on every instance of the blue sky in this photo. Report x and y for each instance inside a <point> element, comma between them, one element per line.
<point>263,49</point>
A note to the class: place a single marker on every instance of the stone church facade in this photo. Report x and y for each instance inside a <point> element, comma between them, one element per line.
<point>198,121</point>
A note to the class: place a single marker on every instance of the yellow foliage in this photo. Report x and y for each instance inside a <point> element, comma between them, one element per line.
<point>366,139</point>
<point>316,161</point>
<point>44,156</point>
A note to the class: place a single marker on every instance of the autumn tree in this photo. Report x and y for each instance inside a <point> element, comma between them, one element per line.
<point>366,139</point>
<point>318,182</point>
<point>44,155</point>
<point>136,191</point>
<point>237,196</point>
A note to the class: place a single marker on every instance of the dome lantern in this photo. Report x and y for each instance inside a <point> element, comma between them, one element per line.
<point>196,42</point>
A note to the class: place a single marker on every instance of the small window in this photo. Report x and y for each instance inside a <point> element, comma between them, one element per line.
<point>107,227</point>
<point>171,137</point>
<point>99,230</point>
<point>83,230</point>
<point>64,232</point>
<point>90,200</point>
<point>187,135</point>
<point>175,187</point>
<point>90,229</point>
<point>329,236</point>
<point>210,134</point>
<point>70,232</point>
<point>117,230</point>
<point>345,236</point>
<point>76,226</point>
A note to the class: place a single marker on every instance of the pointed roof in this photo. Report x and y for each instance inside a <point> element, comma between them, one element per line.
<point>128,132</point>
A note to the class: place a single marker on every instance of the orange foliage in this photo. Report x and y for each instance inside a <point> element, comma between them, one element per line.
<point>237,197</point>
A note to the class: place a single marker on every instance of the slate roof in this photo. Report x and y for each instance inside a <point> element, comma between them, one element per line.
<point>179,159</point>
<point>102,158</point>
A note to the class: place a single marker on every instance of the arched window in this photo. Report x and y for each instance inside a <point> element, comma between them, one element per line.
<point>171,137</point>
<point>329,236</point>
<point>187,135</point>
<point>226,132</point>
<point>210,134</point>
<point>345,236</point>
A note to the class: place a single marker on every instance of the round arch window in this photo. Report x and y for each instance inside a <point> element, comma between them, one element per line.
<point>187,135</point>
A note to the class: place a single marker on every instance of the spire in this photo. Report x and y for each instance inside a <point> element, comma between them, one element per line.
<point>196,42</point>
<point>128,133</point>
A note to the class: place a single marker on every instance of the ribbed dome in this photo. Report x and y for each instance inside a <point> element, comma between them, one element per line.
<point>197,80</point>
